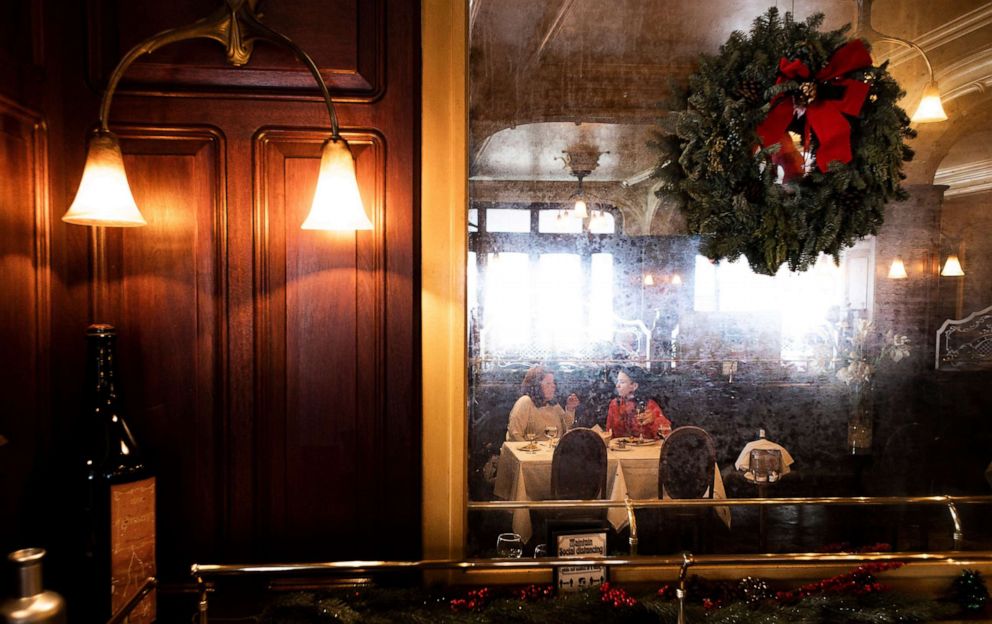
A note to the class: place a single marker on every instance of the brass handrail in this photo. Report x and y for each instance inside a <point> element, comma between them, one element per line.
<point>204,571</point>
<point>135,600</point>
<point>682,561</point>
<point>648,503</point>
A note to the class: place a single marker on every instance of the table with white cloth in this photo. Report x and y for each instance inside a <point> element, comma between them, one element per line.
<point>526,476</point>
<point>743,464</point>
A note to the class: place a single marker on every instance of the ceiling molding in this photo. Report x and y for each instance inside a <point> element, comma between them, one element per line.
<point>966,179</point>
<point>956,28</point>
<point>474,8</point>
<point>967,75</point>
<point>549,29</point>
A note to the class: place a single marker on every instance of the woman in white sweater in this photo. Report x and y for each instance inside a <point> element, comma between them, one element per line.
<point>538,408</point>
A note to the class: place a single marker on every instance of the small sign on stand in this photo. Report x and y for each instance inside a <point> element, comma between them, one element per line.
<point>581,544</point>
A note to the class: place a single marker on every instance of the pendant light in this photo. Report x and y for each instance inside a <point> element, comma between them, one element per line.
<point>581,211</point>
<point>104,197</point>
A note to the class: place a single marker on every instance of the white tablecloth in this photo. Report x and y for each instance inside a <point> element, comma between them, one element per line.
<point>743,462</point>
<point>524,476</point>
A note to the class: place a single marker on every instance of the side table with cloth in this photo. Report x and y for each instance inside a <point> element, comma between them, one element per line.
<point>743,462</point>
<point>525,476</point>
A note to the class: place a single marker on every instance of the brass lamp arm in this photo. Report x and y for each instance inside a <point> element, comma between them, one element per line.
<point>236,27</point>
<point>874,35</point>
<point>867,31</point>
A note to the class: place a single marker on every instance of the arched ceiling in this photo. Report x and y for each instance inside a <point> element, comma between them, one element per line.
<point>547,75</point>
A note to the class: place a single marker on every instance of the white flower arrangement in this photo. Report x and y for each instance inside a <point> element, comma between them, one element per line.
<point>867,350</point>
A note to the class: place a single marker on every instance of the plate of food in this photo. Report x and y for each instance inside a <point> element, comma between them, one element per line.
<point>619,444</point>
<point>642,441</point>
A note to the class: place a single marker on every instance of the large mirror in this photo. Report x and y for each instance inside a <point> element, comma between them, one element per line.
<point>590,307</point>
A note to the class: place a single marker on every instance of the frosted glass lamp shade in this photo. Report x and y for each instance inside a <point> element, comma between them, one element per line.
<point>104,197</point>
<point>952,268</point>
<point>897,270</point>
<point>930,109</point>
<point>648,279</point>
<point>337,203</point>
<point>580,209</point>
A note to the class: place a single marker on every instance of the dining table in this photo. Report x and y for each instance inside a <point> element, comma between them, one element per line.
<point>525,475</point>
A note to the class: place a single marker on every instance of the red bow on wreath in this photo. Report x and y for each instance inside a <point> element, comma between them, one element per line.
<point>824,117</point>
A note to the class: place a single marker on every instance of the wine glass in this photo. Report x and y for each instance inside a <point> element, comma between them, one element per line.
<point>552,433</point>
<point>509,546</point>
<point>530,439</point>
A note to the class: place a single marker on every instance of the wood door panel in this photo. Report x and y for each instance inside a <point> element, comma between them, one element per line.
<point>344,37</point>
<point>320,336</point>
<point>21,32</point>
<point>166,288</point>
<point>25,286</point>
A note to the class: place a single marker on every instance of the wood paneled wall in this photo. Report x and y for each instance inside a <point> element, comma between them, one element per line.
<point>271,373</point>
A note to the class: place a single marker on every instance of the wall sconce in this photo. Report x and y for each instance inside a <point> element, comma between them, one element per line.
<point>931,109</point>
<point>648,279</point>
<point>897,270</point>
<point>676,280</point>
<point>952,267</point>
<point>104,197</point>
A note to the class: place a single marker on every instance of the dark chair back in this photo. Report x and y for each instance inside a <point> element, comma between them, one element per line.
<point>578,466</point>
<point>686,464</point>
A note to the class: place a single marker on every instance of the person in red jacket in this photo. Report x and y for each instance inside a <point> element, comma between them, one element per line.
<point>629,416</point>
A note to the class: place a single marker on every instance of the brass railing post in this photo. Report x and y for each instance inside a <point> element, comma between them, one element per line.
<point>680,592</point>
<point>632,521</point>
<point>958,528</point>
<point>202,612</point>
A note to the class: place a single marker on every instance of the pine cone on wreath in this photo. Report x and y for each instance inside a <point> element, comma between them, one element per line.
<point>850,200</point>
<point>806,94</point>
<point>716,151</point>
<point>751,91</point>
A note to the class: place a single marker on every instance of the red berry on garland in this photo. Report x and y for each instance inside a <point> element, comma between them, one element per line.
<point>666,592</point>
<point>618,597</point>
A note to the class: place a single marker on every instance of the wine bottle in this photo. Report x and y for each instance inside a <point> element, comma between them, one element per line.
<point>118,497</point>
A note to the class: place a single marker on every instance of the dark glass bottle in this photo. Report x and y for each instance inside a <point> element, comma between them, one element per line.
<point>118,496</point>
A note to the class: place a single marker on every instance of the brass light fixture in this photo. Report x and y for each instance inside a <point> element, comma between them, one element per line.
<point>581,160</point>
<point>581,211</point>
<point>931,109</point>
<point>104,197</point>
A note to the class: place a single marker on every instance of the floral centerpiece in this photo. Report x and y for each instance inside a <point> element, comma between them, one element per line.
<point>864,350</point>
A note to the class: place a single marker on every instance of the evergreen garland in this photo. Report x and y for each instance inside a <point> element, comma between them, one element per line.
<point>711,167</point>
<point>714,602</point>
<point>969,591</point>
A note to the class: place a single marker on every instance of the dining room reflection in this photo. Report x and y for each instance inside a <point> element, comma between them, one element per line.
<point>843,364</point>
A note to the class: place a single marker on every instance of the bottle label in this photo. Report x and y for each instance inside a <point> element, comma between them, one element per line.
<point>132,546</point>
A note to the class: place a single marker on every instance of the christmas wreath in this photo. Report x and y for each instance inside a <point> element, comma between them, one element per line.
<point>787,145</point>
